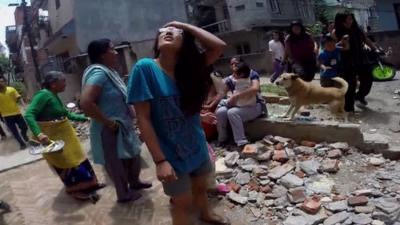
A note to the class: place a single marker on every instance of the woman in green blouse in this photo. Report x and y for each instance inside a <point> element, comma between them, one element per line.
<point>48,120</point>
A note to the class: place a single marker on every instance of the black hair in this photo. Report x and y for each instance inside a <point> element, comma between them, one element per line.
<point>341,30</point>
<point>281,36</point>
<point>243,70</point>
<point>51,77</point>
<point>192,75</point>
<point>238,57</point>
<point>303,33</point>
<point>97,48</point>
<point>327,38</point>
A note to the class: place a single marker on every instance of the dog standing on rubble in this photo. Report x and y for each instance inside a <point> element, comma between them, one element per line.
<point>303,93</point>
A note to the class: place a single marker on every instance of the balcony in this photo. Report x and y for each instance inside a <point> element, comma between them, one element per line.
<point>219,27</point>
<point>12,38</point>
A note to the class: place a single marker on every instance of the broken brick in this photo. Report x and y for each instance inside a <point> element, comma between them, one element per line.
<point>308,144</point>
<point>312,205</point>
<point>357,200</point>
<point>250,151</point>
<point>279,146</point>
<point>253,185</point>
<point>280,156</point>
<point>265,189</point>
<point>330,165</point>
<point>335,154</point>
<point>339,198</point>
<point>234,186</point>
<point>300,174</point>
<point>297,195</point>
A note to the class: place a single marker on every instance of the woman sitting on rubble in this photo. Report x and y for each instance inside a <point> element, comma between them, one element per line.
<point>241,106</point>
<point>48,118</point>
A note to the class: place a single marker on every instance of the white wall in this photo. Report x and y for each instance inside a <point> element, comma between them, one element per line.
<point>124,20</point>
<point>61,16</point>
<point>387,18</point>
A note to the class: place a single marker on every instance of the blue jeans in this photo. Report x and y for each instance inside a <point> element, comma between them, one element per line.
<point>278,70</point>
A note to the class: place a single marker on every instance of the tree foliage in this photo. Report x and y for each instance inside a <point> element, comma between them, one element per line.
<point>5,66</point>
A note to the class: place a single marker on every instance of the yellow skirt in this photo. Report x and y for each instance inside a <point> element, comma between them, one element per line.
<point>72,154</point>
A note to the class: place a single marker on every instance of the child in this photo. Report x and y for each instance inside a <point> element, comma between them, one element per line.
<point>241,84</point>
<point>329,59</point>
<point>277,48</point>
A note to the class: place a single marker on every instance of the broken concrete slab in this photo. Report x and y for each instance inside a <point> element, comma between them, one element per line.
<point>313,131</point>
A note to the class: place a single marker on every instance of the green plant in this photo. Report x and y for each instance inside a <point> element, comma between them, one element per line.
<point>273,89</point>
<point>20,87</point>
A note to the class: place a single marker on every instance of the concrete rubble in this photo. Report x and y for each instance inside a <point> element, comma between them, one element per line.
<point>279,181</point>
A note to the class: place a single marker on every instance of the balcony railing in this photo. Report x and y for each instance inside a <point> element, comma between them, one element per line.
<point>222,26</point>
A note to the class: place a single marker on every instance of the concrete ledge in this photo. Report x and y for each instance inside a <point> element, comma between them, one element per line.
<point>313,131</point>
<point>323,132</point>
<point>17,159</point>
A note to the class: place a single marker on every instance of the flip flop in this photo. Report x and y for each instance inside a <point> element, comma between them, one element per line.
<point>220,220</point>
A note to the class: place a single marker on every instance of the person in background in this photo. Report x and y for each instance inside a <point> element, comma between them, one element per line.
<point>9,110</point>
<point>2,132</point>
<point>230,114</point>
<point>329,59</point>
<point>277,48</point>
<point>354,60</point>
<point>300,51</point>
<point>242,83</point>
<point>48,119</point>
<point>168,93</point>
<point>4,206</point>
<point>207,114</point>
<point>113,139</point>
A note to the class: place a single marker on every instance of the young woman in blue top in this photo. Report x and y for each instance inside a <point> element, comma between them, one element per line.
<point>168,93</point>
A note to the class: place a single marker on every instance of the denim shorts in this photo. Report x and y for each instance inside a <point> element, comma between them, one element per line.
<point>184,182</point>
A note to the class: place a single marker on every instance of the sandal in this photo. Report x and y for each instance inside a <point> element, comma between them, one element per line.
<point>216,220</point>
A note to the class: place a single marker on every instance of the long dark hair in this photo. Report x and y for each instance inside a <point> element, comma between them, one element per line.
<point>191,74</point>
<point>97,48</point>
<point>341,30</point>
<point>292,36</point>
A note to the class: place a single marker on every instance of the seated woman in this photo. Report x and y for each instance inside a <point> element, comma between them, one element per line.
<point>207,114</point>
<point>234,113</point>
<point>48,120</point>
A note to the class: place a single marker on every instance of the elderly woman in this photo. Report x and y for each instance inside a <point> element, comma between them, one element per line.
<point>48,120</point>
<point>233,115</point>
<point>114,141</point>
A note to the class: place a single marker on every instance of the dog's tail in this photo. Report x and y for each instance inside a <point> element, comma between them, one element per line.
<point>343,85</point>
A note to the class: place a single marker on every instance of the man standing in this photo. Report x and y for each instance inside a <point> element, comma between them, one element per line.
<point>9,110</point>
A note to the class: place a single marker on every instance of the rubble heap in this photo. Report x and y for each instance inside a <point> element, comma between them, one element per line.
<point>284,182</point>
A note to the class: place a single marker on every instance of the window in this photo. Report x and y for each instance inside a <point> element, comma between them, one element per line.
<point>57,4</point>
<point>226,12</point>
<point>243,48</point>
<point>239,7</point>
<point>260,4</point>
<point>274,6</point>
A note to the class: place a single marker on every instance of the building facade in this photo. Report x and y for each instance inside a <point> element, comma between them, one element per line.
<point>389,15</point>
<point>245,25</point>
